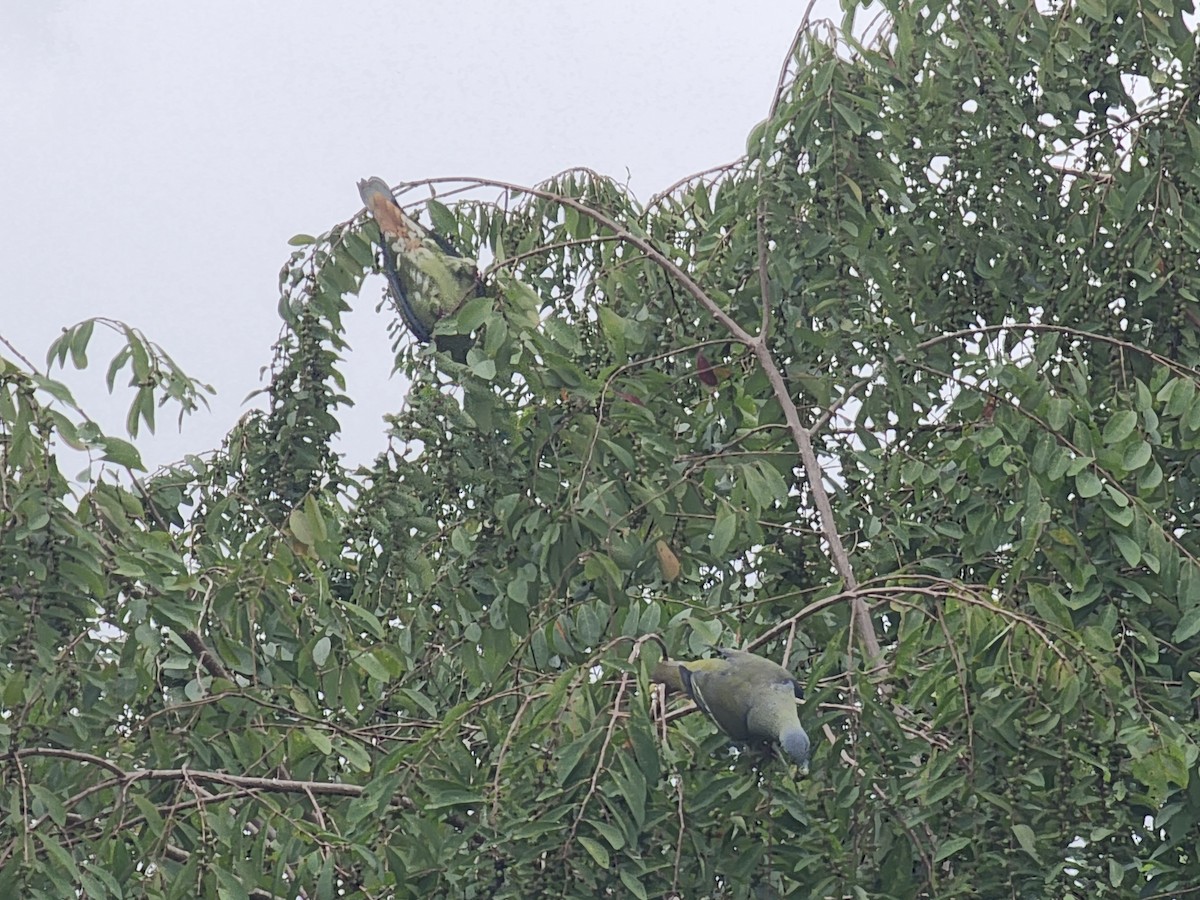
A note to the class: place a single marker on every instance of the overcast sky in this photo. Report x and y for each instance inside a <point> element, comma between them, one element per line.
<point>156,157</point>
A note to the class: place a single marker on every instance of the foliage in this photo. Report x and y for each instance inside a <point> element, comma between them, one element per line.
<point>956,273</point>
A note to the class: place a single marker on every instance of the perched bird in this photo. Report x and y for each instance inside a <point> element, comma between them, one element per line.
<point>749,697</point>
<point>428,278</point>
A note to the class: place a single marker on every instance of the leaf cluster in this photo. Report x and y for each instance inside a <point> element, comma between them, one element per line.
<point>927,357</point>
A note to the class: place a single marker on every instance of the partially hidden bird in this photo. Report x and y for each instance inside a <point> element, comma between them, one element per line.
<point>427,277</point>
<point>751,698</point>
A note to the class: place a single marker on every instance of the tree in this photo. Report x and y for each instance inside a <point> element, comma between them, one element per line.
<point>907,396</point>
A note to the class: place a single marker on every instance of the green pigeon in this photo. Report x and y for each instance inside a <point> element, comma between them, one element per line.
<point>751,698</point>
<point>427,277</point>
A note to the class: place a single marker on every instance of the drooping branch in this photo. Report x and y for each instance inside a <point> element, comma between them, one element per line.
<point>860,613</point>
<point>757,344</point>
<point>273,785</point>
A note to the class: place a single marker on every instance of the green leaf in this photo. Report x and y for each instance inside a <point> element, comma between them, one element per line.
<point>1087,484</point>
<point>50,804</point>
<point>948,848</point>
<point>79,338</point>
<point>754,139</point>
<point>851,118</point>
<point>1130,549</point>
<point>1116,873</point>
<point>1025,837</point>
<point>320,651</point>
<point>442,218</point>
<point>1050,604</point>
<point>55,389</point>
<point>1120,426</point>
<point>300,527</point>
<point>1189,625</point>
<point>1137,455</point>
<point>611,833</point>
<point>635,886</point>
<point>1058,413</point>
<point>319,740</point>
<point>483,368</point>
<point>365,619</point>
<point>473,313</point>
<point>1181,397</point>
<point>723,531</point>
<point>448,799</point>
<point>370,663</point>
<point>614,327</point>
<point>121,452</point>
<point>596,850</point>
<point>570,757</point>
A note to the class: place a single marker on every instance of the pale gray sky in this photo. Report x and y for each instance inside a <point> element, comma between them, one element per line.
<point>156,157</point>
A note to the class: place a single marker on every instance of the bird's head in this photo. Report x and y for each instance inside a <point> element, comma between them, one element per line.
<point>374,185</point>
<point>795,744</point>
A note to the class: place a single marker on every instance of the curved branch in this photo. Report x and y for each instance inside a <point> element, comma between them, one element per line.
<point>864,627</point>
<point>273,785</point>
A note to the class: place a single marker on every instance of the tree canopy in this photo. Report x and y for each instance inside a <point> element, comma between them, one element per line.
<point>905,398</point>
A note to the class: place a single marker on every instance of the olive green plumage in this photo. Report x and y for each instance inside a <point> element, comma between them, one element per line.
<point>750,697</point>
<point>428,278</point>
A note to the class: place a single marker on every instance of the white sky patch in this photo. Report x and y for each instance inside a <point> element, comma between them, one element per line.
<point>168,154</point>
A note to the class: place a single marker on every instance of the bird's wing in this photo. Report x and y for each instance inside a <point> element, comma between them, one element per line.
<point>764,668</point>
<point>720,695</point>
<point>693,681</point>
